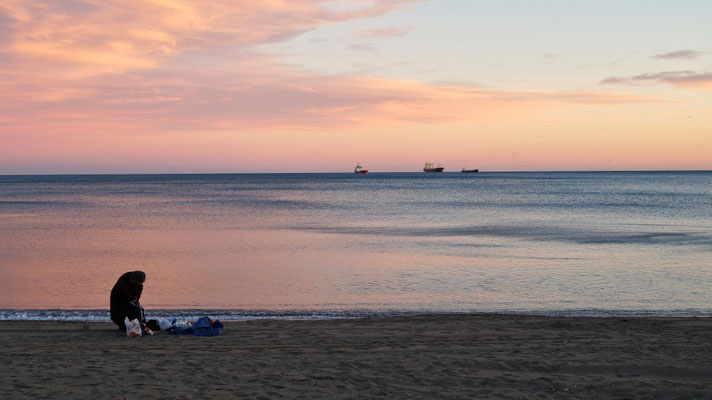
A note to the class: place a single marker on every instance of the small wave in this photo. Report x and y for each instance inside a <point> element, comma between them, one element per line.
<point>99,315</point>
<point>249,315</point>
<point>541,234</point>
<point>39,203</point>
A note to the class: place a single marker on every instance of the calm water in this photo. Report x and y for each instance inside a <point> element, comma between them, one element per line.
<point>327,245</point>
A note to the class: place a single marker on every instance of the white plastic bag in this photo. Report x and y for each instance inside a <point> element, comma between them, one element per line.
<point>133,328</point>
<point>166,324</point>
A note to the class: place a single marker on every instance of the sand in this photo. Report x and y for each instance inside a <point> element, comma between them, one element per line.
<point>437,356</point>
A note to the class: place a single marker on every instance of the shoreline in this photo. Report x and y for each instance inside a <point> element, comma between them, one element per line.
<point>239,315</point>
<point>419,356</point>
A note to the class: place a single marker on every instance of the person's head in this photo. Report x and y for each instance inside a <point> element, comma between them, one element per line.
<point>137,277</point>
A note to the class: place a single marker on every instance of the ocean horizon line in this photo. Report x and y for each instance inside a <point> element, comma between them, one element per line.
<point>370,172</point>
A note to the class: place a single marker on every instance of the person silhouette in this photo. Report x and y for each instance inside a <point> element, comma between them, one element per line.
<point>125,299</point>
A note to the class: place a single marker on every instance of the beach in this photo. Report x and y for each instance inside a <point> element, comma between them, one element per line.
<point>428,356</point>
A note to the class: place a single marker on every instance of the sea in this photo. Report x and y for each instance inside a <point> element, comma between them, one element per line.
<point>340,245</point>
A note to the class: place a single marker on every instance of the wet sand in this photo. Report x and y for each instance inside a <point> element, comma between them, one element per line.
<point>437,356</point>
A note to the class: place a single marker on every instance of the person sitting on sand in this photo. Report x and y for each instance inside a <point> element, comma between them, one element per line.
<point>125,297</point>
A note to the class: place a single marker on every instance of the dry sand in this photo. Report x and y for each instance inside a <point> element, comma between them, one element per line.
<point>441,356</point>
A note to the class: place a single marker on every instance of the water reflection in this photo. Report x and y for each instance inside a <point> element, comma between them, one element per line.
<point>499,241</point>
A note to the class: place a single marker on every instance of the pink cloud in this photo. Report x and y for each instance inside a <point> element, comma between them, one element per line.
<point>385,32</point>
<point>698,81</point>
<point>688,79</point>
<point>95,36</point>
<point>197,64</point>
<point>274,100</point>
<point>679,54</point>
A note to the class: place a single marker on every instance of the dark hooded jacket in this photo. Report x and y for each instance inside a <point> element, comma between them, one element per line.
<point>122,295</point>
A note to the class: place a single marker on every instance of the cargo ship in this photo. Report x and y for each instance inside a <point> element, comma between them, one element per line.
<point>465,170</point>
<point>359,169</point>
<point>430,168</point>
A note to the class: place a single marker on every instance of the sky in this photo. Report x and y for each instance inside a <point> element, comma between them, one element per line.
<point>159,86</point>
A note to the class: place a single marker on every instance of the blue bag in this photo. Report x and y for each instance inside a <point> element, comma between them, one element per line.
<point>202,327</point>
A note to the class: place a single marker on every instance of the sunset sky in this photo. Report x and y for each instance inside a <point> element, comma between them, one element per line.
<point>143,86</point>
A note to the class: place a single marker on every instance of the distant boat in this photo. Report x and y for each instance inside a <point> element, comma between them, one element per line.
<point>469,170</point>
<point>359,169</point>
<point>430,168</point>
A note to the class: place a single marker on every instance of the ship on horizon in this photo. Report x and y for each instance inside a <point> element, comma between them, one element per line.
<point>430,168</point>
<point>359,169</point>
